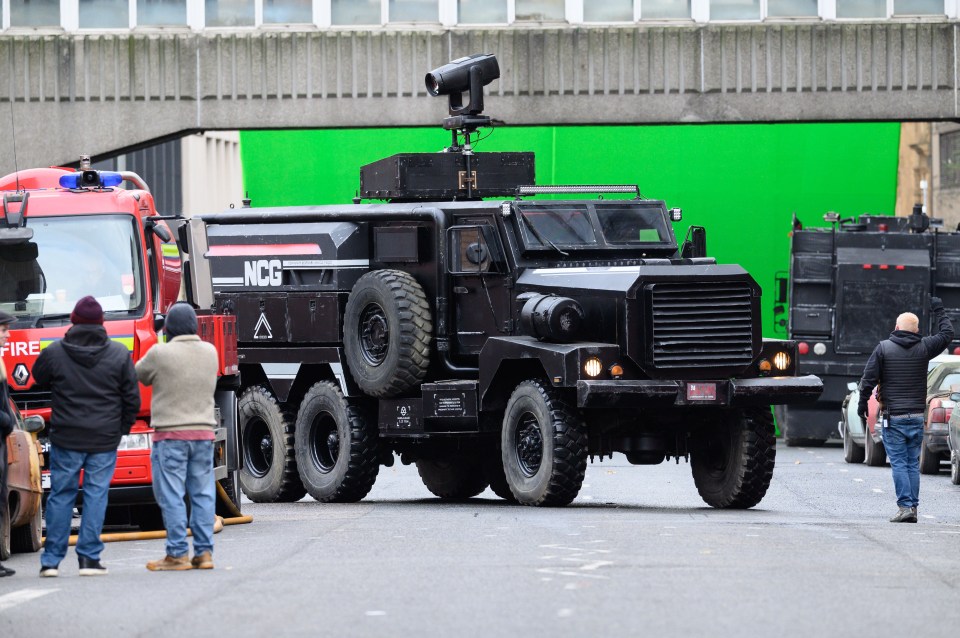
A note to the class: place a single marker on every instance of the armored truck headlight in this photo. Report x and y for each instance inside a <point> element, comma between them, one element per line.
<point>592,367</point>
<point>781,361</point>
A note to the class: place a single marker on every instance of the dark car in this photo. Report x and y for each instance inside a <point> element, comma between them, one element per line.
<point>22,520</point>
<point>953,441</point>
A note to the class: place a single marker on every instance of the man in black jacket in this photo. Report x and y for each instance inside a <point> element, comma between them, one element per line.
<point>95,401</point>
<point>899,365</point>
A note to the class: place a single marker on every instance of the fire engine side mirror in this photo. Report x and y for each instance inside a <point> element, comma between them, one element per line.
<point>159,231</point>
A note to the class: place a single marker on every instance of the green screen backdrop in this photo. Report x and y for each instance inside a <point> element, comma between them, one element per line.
<point>743,182</point>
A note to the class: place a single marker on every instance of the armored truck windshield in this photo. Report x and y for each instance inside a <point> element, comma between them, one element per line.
<point>595,224</point>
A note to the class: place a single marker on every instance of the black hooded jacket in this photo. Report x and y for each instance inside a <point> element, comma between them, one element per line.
<point>899,365</point>
<point>94,386</point>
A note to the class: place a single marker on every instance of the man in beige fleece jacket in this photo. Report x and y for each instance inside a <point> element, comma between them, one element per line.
<point>183,373</point>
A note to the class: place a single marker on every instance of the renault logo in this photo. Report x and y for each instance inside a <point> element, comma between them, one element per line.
<point>20,374</point>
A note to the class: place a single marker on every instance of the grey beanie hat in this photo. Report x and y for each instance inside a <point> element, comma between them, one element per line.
<point>181,320</point>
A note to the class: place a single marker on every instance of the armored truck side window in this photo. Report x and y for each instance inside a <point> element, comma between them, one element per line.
<point>633,225</point>
<point>474,249</point>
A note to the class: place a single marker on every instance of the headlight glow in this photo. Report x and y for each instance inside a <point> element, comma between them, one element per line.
<point>781,361</point>
<point>593,367</point>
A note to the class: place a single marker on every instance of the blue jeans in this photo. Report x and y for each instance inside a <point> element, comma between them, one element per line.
<point>185,468</point>
<point>65,466</point>
<point>902,440</point>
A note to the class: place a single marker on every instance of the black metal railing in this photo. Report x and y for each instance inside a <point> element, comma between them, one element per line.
<point>31,399</point>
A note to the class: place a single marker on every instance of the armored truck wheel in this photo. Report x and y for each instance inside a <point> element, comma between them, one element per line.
<point>453,479</point>
<point>874,454</point>
<point>496,477</point>
<point>386,332</point>
<point>336,446</point>
<point>29,537</point>
<point>733,460</point>
<point>269,473</point>
<point>543,446</point>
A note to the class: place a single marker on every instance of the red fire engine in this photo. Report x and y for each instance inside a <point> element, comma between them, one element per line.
<point>65,234</point>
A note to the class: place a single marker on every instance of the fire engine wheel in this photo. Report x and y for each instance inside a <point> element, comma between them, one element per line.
<point>387,332</point>
<point>955,468</point>
<point>852,453</point>
<point>543,446</point>
<point>733,459</point>
<point>929,461</point>
<point>28,538</point>
<point>269,473</point>
<point>453,479</point>
<point>5,532</point>
<point>874,454</point>
<point>336,446</point>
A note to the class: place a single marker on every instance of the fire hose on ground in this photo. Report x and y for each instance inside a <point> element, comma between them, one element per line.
<point>236,519</point>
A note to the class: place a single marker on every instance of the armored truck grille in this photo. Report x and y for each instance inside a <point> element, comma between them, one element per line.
<point>702,325</point>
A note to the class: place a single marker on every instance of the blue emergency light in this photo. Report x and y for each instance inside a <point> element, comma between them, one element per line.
<point>91,179</point>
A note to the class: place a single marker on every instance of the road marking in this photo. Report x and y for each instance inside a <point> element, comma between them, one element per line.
<point>858,480</point>
<point>753,535</point>
<point>927,516</point>
<point>375,612</point>
<point>844,470</point>
<point>877,490</point>
<point>23,596</point>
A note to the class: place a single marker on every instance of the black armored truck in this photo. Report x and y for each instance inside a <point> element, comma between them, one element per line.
<point>489,335</point>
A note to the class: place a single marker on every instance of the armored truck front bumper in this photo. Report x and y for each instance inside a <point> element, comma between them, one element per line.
<point>726,392</point>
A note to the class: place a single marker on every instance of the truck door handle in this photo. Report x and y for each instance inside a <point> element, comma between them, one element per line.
<point>460,290</point>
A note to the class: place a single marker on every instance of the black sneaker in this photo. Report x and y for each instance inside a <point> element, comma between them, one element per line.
<point>49,572</point>
<point>6,571</point>
<point>90,567</point>
<point>905,515</point>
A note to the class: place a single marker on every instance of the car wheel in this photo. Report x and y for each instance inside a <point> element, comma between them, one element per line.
<point>929,461</point>
<point>874,453</point>
<point>852,453</point>
<point>955,468</point>
<point>28,538</point>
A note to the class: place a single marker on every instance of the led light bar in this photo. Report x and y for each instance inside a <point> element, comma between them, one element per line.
<point>572,190</point>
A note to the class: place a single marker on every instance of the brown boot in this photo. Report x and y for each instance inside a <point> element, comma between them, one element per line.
<point>203,560</point>
<point>170,564</point>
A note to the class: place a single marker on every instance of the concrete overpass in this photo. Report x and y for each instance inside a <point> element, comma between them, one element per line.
<point>100,93</point>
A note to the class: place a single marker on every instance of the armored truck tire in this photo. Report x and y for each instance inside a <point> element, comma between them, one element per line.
<point>543,446</point>
<point>929,461</point>
<point>874,454</point>
<point>852,453</point>
<point>732,460</point>
<point>453,479</point>
<point>387,329</point>
<point>496,477</point>
<point>29,537</point>
<point>269,473</point>
<point>336,446</point>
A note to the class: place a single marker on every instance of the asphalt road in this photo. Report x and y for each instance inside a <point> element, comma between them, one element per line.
<point>638,553</point>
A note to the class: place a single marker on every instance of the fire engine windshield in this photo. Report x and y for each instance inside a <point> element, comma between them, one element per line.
<point>595,225</point>
<point>69,258</point>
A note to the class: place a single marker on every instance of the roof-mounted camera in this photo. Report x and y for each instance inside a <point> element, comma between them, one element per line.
<point>457,173</point>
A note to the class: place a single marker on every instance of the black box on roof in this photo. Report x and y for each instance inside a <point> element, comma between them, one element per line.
<point>445,176</point>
